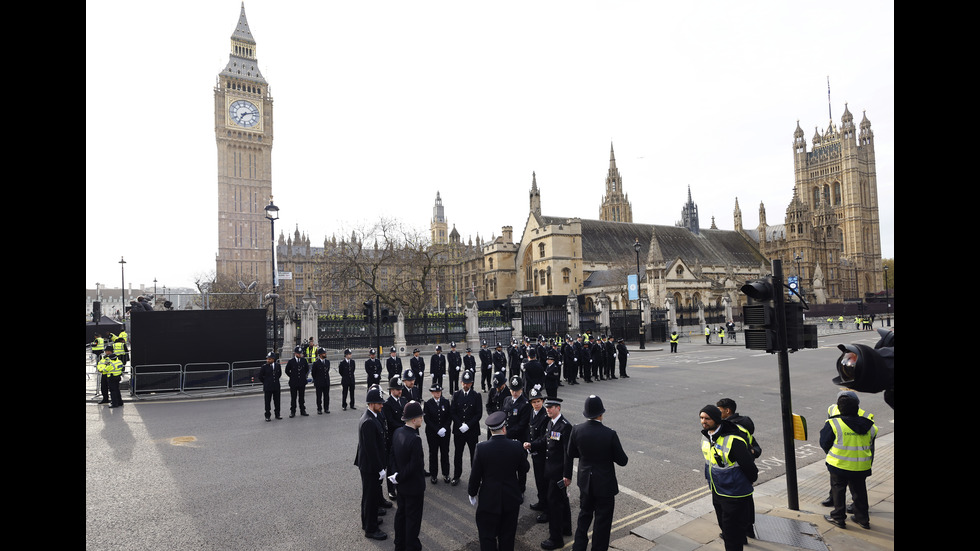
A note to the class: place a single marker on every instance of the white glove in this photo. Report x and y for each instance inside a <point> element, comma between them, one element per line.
<point>473,500</point>
<point>464,427</point>
<point>392,479</point>
<point>382,474</point>
<point>442,432</point>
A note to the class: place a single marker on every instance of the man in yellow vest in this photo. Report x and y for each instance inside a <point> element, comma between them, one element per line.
<point>848,439</point>
<point>707,334</point>
<point>834,411</point>
<point>112,369</point>
<point>673,340</point>
<point>730,470</point>
<point>98,347</point>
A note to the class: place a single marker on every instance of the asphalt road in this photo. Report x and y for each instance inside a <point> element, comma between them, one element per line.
<point>210,473</point>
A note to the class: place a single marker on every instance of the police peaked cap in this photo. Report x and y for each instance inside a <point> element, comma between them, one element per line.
<point>496,420</point>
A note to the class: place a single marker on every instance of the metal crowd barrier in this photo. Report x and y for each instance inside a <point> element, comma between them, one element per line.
<point>181,379</point>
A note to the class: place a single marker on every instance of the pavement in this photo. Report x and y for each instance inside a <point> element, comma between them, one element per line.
<point>694,527</point>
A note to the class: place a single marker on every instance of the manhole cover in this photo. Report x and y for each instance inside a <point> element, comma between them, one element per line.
<point>788,531</point>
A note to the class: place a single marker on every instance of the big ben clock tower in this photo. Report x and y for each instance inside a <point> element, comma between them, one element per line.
<point>243,132</point>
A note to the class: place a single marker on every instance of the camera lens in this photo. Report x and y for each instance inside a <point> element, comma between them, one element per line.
<point>847,366</point>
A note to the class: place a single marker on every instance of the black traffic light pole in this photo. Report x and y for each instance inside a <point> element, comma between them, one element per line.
<point>789,449</point>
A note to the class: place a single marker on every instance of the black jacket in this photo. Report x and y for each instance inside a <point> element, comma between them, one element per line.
<point>597,447</point>
<point>370,457</point>
<point>467,409</point>
<point>497,464</point>
<point>437,415</point>
<point>554,443</point>
<point>269,375</point>
<point>437,364</point>
<point>321,372</point>
<point>407,461</point>
<point>297,371</point>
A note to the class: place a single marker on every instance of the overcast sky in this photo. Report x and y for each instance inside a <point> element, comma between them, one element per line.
<point>380,104</point>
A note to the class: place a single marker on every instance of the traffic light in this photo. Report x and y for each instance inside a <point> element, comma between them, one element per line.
<point>759,319</point>
<point>368,311</point>
<point>384,315</point>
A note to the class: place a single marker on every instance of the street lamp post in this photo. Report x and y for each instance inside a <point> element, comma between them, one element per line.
<point>639,299</point>
<point>122,294</point>
<point>888,305</point>
<point>799,274</point>
<point>272,213</point>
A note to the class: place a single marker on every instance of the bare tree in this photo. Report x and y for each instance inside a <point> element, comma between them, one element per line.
<point>387,260</point>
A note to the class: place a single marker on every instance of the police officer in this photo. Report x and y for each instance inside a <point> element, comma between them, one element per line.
<point>437,367</point>
<point>103,367</point>
<point>320,370</point>
<point>98,347</point>
<point>373,368</point>
<point>673,340</point>
<point>585,361</point>
<point>370,460</point>
<point>552,443</point>
<point>597,447</point>
<point>569,361</point>
<point>551,373</point>
<point>469,362</point>
<point>346,370</point>
<point>455,363</point>
<point>466,410</point>
<point>486,361</point>
<point>539,420</point>
<point>518,411</point>
<point>411,391</point>
<point>392,411</point>
<point>707,334</point>
<point>598,360</point>
<point>393,364</point>
<point>417,364</point>
<point>297,370</point>
<point>533,370</point>
<point>112,368</point>
<point>408,460</point>
<point>438,426</point>
<point>495,488</point>
<point>609,349</point>
<point>269,375</point>
<point>623,354</point>
<point>499,360</point>
<point>495,398</point>
<point>834,411</point>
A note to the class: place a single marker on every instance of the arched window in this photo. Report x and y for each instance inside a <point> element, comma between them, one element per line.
<point>541,249</point>
<point>566,275</point>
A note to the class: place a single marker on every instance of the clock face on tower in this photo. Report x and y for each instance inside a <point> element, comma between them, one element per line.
<point>244,113</point>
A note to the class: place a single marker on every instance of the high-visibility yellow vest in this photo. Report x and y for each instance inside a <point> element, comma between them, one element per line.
<point>725,477</point>
<point>110,367</point>
<point>721,333</point>
<point>99,345</point>
<point>707,331</point>
<point>851,451</point>
<point>674,337</point>
<point>119,347</point>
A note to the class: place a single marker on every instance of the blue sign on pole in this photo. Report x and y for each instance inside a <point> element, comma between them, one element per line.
<point>632,288</point>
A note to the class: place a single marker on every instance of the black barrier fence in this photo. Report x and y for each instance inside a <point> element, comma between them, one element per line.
<point>217,376</point>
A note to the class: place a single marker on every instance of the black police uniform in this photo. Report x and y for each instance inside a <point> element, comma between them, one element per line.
<point>486,362</point>
<point>436,415</point>
<point>321,383</point>
<point>539,420</point>
<point>455,363</point>
<point>373,368</point>
<point>623,354</point>
<point>269,375</point>
<point>553,445</point>
<point>498,465</point>
<point>417,364</point>
<point>394,366</point>
<point>346,370</point>
<point>297,370</point>
<point>370,460</point>
<point>437,367</point>
<point>466,409</point>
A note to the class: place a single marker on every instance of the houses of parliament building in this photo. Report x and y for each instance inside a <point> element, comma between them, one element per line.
<point>829,235</point>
